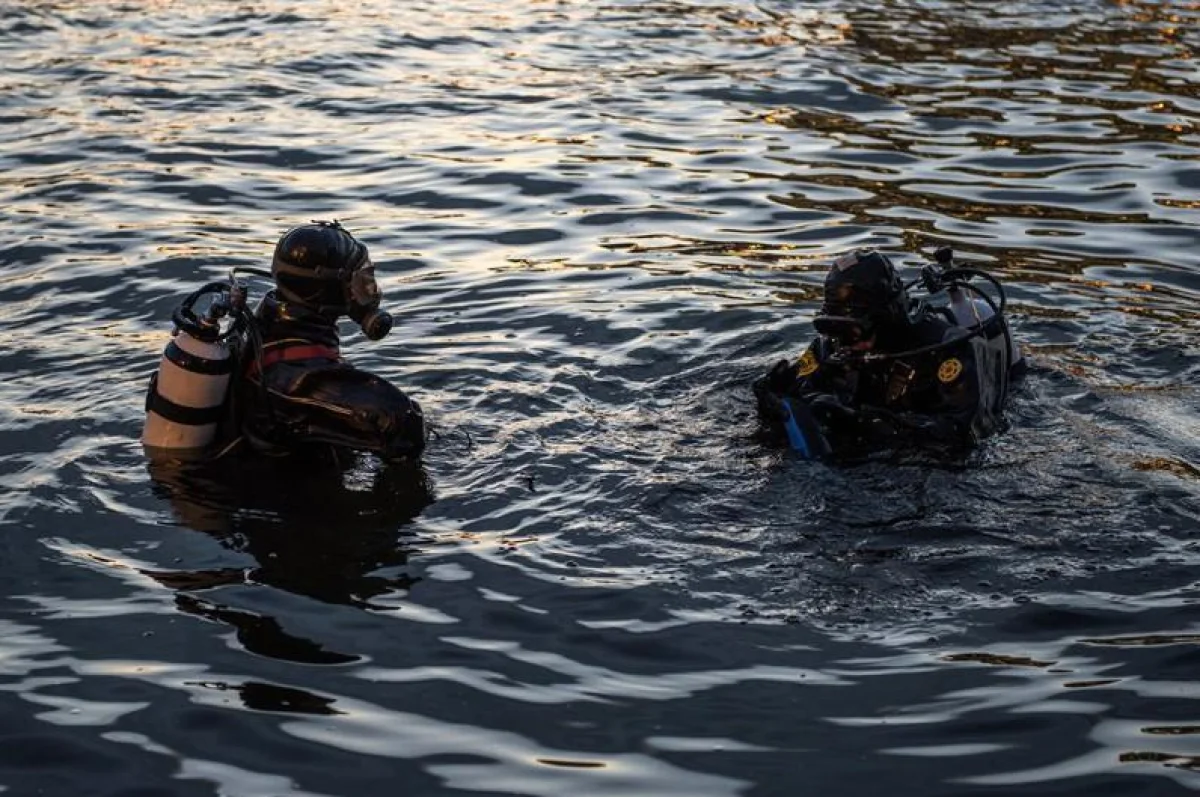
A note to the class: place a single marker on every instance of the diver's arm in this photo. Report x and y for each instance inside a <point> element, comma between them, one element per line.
<point>784,395</point>
<point>800,378</point>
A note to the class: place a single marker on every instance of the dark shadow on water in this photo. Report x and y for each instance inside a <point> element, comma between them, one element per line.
<point>260,696</point>
<point>321,530</point>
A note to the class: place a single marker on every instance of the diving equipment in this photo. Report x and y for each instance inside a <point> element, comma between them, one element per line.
<point>968,306</point>
<point>862,293</point>
<point>186,400</point>
<point>931,365</point>
<point>273,378</point>
<point>323,267</point>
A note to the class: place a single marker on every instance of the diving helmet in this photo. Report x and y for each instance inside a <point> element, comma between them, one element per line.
<point>323,267</point>
<point>863,292</point>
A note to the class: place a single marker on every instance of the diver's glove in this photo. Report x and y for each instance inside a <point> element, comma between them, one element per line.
<point>781,377</point>
<point>770,403</point>
<point>770,389</point>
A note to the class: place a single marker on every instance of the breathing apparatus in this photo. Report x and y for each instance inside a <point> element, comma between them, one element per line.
<point>864,295</point>
<point>326,269</point>
<point>187,397</point>
<point>862,292</point>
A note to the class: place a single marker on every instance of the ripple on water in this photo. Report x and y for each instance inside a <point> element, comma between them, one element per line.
<point>596,224</point>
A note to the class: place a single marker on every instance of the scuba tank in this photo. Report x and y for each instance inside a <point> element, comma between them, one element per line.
<point>969,307</point>
<point>187,396</point>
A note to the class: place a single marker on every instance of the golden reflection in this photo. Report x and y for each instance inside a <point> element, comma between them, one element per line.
<point>1169,759</point>
<point>1175,467</point>
<point>1147,640</point>
<point>761,26</point>
<point>906,38</point>
<point>1172,730</point>
<point>997,659</point>
<point>884,196</point>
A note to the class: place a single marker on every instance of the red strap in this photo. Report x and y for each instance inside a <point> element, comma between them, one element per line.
<point>286,353</point>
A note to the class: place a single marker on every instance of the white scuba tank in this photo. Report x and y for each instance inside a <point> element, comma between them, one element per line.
<point>187,396</point>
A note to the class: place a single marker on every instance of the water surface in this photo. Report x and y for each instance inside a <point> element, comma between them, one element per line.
<point>596,223</point>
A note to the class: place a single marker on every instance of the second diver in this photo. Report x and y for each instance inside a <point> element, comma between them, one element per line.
<point>888,371</point>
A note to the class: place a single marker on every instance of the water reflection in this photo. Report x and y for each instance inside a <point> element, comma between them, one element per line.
<point>603,220</point>
<point>328,531</point>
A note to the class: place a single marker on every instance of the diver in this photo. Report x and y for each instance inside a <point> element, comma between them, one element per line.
<point>887,371</point>
<point>274,378</point>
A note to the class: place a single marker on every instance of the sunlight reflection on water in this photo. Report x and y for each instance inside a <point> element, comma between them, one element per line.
<point>595,224</point>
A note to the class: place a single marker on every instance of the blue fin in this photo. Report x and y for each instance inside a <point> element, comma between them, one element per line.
<point>794,435</point>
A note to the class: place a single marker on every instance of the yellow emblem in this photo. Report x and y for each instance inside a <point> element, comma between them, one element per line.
<point>807,365</point>
<point>949,370</point>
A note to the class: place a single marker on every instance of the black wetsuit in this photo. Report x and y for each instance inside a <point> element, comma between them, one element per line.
<point>850,403</point>
<point>306,396</point>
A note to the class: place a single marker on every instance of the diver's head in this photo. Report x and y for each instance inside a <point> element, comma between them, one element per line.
<point>323,267</point>
<point>863,293</point>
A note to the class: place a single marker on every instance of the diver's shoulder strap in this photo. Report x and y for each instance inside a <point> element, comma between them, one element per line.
<point>290,350</point>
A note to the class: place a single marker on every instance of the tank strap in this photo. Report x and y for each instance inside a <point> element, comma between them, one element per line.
<point>177,413</point>
<point>197,365</point>
<point>291,352</point>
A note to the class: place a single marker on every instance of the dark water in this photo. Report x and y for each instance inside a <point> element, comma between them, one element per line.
<point>597,222</point>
